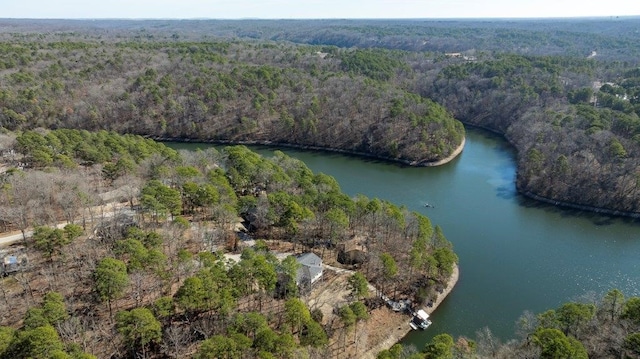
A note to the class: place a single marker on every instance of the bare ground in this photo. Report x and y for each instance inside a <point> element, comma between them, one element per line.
<point>396,326</point>
<point>384,328</point>
<point>381,331</point>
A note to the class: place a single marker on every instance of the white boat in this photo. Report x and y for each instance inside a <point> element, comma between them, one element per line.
<point>420,320</point>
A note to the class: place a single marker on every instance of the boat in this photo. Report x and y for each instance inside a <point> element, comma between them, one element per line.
<point>420,320</point>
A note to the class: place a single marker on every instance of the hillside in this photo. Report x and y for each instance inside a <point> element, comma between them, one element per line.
<point>221,90</point>
<point>126,256</point>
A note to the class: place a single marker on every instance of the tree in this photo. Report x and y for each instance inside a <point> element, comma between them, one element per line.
<point>139,257</point>
<point>54,308</point>
<point>392,353</point>
<point>440,347</point>
<point>631,310</point>
<point>48,240</point>
<point>51,240</point>
<point>296,314</point>
<point>218,289</point>
<point>418,254</point>
<point>348,319</point>
<point>338,222</point>
<point>289,268</point>
<point>191,295</point>
<point>313,335</point>
<point>35,318</point>
<point>265,274</point>
<point>241,344</point>
<point>446,259</point>
<point>361,313</point>
<point>574,316</point>
<point>265,340</point>
<point>163,307</point>
<point>110,279</point>
<point>632,343</point>
<point>612,304</point>
<point>555,345</point>
<point>616,149</point>
<point>285,346</point>
<point>72,231</point>
<point>359,310</point>
<point>37,343</point>
<point>358,285</point>
<point>139,327</point>
<point>7,335</point>
<point>248,324</point>
<point>160,200</point>
<point>389,267</point>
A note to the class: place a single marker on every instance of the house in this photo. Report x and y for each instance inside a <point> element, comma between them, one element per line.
<point>310,269</point>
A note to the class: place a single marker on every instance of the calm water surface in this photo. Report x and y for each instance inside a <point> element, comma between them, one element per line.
<point>515,254</point>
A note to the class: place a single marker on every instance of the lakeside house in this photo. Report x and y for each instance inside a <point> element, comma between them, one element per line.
<point>310,270</point>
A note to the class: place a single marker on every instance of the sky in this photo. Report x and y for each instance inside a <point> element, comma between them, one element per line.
<point>314,9</point>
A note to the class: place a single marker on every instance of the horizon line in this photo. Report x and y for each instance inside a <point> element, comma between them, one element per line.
<point>317,19</point>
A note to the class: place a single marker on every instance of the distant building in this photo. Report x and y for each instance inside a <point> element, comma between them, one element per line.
<point>459,55</point>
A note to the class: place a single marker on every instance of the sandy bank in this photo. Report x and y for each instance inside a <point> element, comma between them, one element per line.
<point>398,324</point>
<point>447,159</point>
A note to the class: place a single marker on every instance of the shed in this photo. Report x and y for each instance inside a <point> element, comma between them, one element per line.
<point>353,251</point>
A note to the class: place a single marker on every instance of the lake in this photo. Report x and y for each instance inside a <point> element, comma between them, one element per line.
<point>515,254</point>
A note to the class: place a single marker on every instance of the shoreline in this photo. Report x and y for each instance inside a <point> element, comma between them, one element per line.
<point>399,327</point>
<point>449,158</point>
<point>416,163</point>
<point>579,207</point>
<point>530,193</point>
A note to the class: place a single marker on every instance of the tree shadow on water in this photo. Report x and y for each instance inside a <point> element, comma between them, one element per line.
<point>569,212</point>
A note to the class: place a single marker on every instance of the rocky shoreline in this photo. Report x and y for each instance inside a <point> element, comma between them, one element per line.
<point>399,324</point>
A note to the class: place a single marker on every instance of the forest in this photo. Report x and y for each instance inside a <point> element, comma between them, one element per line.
<point>139,268</point>
<point>564,93</point>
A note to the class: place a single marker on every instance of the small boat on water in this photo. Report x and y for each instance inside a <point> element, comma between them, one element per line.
<point>420,320</point>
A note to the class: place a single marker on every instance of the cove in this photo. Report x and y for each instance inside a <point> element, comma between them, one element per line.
<point>515,254</point>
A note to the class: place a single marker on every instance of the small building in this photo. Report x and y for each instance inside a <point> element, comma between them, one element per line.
<point>353,251</point>
<point>310,269</point>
